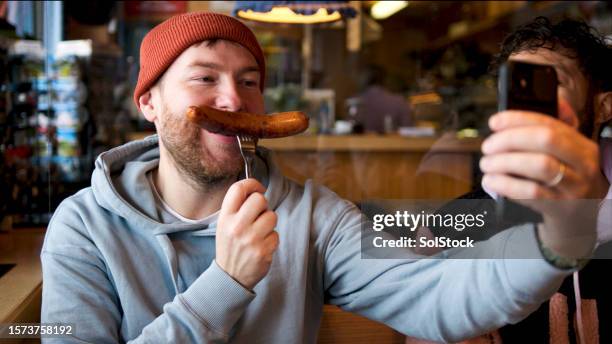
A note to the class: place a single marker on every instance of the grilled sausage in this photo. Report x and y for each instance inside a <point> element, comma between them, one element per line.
<point>241,123</point>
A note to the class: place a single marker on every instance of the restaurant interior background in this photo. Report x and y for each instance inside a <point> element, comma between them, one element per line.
<point>68,69</point>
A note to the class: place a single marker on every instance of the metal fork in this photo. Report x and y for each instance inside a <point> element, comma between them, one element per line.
<point>248,146</point>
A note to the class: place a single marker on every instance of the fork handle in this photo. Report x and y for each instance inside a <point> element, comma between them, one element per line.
<point>248,165</point>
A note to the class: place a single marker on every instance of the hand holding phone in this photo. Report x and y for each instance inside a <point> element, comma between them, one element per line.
<point>525,86</point>
<point>541,162</point>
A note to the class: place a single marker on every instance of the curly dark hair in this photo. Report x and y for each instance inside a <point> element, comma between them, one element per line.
<point>572,38</point>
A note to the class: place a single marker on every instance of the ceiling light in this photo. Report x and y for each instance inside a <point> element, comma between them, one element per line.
<point>385,9</point>
<point>293,12</point>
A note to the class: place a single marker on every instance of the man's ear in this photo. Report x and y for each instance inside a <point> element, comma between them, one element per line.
<point>603,107</point>
<point>147,107</point>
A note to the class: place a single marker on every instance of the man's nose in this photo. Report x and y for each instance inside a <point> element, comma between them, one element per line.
<point>228,97</point>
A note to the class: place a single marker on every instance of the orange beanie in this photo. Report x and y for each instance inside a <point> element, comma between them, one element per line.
<point>165,42</point>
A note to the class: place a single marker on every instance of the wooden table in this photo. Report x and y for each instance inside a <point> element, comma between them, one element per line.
<point>21,287</point>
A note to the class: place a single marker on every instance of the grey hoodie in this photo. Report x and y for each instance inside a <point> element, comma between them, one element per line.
<point>116,271</point>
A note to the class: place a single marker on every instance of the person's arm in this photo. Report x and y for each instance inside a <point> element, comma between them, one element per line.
<point>438,299</point>
<point>78,289</point>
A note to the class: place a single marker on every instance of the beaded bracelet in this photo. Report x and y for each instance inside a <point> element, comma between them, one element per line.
<point>558,261</point>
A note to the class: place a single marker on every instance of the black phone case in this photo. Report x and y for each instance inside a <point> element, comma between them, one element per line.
<point>527,86</point>
<point>530,87</point>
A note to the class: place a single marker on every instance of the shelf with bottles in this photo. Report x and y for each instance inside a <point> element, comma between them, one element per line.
<point>45,132</point>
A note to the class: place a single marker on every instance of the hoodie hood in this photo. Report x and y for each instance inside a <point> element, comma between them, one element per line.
<point>120,185</point>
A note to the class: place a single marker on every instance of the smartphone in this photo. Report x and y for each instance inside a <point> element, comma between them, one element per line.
<point>527,86</point>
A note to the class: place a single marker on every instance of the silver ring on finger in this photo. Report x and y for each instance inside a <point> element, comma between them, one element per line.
<point>559,177</point>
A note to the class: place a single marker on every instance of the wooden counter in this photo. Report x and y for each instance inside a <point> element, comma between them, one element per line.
<point>372,143</point>
<point>368,167</point>
<point>21,287</point>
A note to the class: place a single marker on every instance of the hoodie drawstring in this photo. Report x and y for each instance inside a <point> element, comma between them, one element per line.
<point>170,255</point>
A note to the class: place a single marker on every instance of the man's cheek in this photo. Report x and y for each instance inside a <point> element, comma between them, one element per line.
<point>567,109</point>
<point>259,108</point>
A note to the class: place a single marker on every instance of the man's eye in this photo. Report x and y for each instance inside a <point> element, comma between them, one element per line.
<point>250,83</point>
<point>207,79</point>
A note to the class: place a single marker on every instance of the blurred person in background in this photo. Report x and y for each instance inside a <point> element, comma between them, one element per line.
<point>379,109</point>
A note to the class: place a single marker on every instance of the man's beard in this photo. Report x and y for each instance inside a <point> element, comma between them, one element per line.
<point>182,140</point>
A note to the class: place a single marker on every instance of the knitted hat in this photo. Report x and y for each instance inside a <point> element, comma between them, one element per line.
<point>165,42</point>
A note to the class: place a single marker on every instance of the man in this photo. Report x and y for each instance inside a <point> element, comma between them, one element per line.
<point>514,167</point>
<point>169,245</point>
<point>581,59</point>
